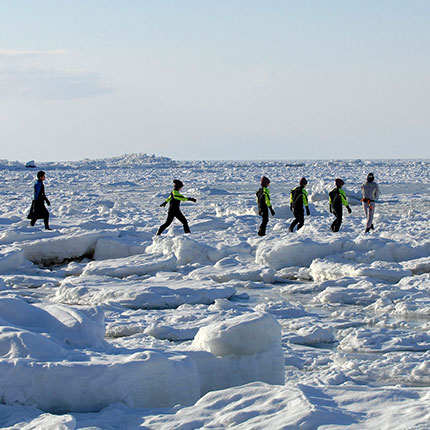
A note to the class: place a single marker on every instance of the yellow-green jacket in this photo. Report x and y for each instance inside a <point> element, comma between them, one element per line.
<point>175,200</point>
<point>263,199</point>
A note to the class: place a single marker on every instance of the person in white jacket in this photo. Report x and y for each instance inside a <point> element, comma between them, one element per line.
<point>371,192</point>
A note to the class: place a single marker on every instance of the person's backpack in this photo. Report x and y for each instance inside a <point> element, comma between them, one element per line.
<point>261,200</point>
<point>334,196</point>
<point>297,197</point>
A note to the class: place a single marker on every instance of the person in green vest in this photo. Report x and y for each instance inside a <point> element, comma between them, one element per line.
<point>337,199</point>
<point>174,201</point>
<point>298,199</point>
<point>264,204</point>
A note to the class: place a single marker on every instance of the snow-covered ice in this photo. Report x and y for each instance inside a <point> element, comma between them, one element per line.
<point>104,325</point>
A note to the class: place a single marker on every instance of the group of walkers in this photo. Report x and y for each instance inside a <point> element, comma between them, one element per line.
<point>39,211</point>
<point>298,204</point>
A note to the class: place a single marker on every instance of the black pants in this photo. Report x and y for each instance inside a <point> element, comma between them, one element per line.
<point>299,220</point>
<point>265,219</point>
<point>171,215</point>
<point>335,226</point>
<point>45,220</point>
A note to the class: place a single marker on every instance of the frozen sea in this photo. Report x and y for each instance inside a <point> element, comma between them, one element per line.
<point>104,325</point>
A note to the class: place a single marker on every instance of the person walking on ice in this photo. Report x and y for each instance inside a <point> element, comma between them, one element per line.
<point>337,199</point>
<point>264,204</point>
<point>371,193</point>
<point>38,209</point>
<point>174,201</point>
<point>298,199</point>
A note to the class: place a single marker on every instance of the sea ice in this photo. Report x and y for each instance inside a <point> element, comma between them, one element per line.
<point>100,315</point>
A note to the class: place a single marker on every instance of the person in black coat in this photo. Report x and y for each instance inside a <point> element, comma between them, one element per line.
<point>38,209</point>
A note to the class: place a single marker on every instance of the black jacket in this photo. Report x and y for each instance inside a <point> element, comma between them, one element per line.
<point>38,209</point>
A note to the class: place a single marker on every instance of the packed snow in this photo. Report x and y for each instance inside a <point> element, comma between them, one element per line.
<point>105,325</point>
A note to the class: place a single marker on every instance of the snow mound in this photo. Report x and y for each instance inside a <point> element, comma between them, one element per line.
<point>234,269</point>
<point>25,327</point>
<point>357,293</point>
<point>134,265</point>
<point>417,266</point>
<point>310,334</point>
<point>257,406</point>
<point>322,270</point>
<point>283,310</point>
<point>152,293</point>
<point>186,250</point>
<point>29,281</point>
<point>409,297</point>
<point>384,340</point>
<point>10,258</point>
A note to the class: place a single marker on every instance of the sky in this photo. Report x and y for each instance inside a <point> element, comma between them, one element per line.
<point>221,79</point>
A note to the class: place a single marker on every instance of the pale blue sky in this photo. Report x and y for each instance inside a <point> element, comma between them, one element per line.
<point>214,79</point>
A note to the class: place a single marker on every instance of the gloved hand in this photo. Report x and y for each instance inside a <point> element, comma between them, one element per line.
<point>163,204</point>
<point>48,202</point>
<point>192,199</point>
<point>308,212</point>
<point>349,209</point>
<point>272,211</point>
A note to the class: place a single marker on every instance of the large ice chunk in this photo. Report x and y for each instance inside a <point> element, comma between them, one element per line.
<point>152,293</point>
<point>60,248</point>
<point>299,252</point>
<point>63,325</point>
<point>242,335</point>
<point>240,350</point>
<point>144,379</point>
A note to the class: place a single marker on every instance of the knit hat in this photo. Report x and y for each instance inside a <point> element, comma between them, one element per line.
<point>265,181</point>
<point>178,184</point>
